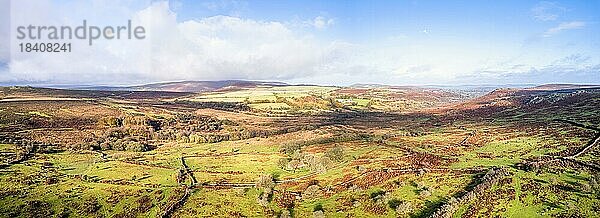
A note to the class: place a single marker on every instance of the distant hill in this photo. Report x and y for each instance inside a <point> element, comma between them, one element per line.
<point>382,86</point>
<point>563,86</point>
<point>188,86</point>
<point>483,87</point>
<point>28,92</point>
<point>543,97</point>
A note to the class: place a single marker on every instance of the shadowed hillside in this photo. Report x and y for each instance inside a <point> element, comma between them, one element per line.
<point>261,151</point>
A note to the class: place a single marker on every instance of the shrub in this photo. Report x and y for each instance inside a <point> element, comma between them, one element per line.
<point>318,214</point>
<point>585,187</point>
<point>324,164</point>
<point>318,207</point>
<point>404,208</point>
<point>290,148</point>
<point>311,192</point>
<point>285,214</point>
<point>265,182</point>
<point>282,163</point>
<point>394,203</point>
<point>285,199</point>
<point>263,199</point>
<point>377,194</point>
<point>424,193</point>
<point>110,122</point>
<point>317,164</point>
<point>294,165</point>
<point>336,154</point>
<point>419,185</point>
<point>136,146</point>
<point>89,205</point>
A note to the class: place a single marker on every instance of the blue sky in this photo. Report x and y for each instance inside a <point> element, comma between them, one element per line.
<point>367,20</point>
<point>338,42</point>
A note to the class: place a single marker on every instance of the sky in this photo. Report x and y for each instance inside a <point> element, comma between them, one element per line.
<point>318,42</point>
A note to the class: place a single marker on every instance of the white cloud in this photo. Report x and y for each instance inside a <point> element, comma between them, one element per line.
<point>570,68</point>
<point>539,75</point>
<point>564,26</point>
<point>211,48</point>
<point>4,33</point>
<point>320,22</point>
<point>230,47</point>
<point>230,7</point>
<point>547,11</point>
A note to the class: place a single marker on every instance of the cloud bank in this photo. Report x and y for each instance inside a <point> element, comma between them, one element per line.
<point>211,48</point>
<point>232,47</point>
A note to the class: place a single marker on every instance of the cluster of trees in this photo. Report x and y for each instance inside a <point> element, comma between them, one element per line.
<point>266,185</point>
<point>133,133</point>
<point>197,137</point>
<point>192,122</point>
<point>130,138</point>
<point>138,132</point>
<point>233,135</point>
<point>130,133</point>
<point>227,106</point>
<point>181,122</point>
<point>184,121</point>
<point>125,144</point>
<point>314,163</point>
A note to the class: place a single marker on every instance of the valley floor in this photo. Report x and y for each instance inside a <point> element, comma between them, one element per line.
<point>518,153</point>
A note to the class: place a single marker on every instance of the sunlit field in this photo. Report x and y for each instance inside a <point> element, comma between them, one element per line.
<point>299,151</point>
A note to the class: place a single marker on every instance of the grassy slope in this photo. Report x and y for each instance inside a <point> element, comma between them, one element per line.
<point>534,194</point>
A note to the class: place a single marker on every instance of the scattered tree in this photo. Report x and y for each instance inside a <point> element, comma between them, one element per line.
<point>311,192</point>
<point>336,154</point>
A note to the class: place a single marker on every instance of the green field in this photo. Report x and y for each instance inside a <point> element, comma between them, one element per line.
<point>164,158</point>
